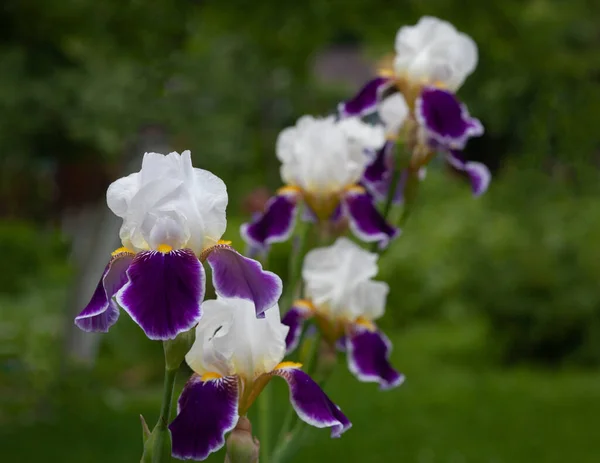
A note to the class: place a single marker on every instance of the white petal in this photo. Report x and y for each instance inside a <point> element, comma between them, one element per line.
<point>167,228</point>
<point>186,204</point>
<point>367,299</point>
<point>231,340</point>
<point>393,111</point>
<point>337,279</point>
<point>434,51</point>
<point>210,196</point>
<point>120,192</point>
<point>322,155</point>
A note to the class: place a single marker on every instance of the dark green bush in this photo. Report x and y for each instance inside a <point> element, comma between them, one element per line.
<point>525,258</point>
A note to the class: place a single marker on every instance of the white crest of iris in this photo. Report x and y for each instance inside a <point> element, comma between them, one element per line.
<point>433,51</point>
<point>169,202</point>
<point>322,156</point>
<point>339,282</point>
<point>231,340</point>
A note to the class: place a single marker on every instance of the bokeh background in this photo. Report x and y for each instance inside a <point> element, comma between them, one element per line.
<point>495,303</point>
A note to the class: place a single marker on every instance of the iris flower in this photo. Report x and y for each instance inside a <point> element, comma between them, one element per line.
<point>173,219</point>
<point>323,160</point>
<point>234,356</point>
<point>415,98</point>
<point>345,301</point>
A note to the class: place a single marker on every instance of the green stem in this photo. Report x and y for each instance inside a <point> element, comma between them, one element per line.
<point>264,418</point>
<point>161,448</point>
<point>295,268</point>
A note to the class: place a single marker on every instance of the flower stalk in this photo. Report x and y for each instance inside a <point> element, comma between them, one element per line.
<point>157,448</point>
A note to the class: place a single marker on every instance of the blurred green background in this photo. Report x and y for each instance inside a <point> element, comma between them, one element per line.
<point>495,306</point>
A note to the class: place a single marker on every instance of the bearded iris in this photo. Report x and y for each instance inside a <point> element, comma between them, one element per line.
<point>234,356</point>
<point>416,100</point>
<point>345,301</point>
<point>173,220</point>
<point>323,160</point>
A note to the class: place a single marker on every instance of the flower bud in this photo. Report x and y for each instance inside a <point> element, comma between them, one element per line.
<point>242,447</point>
<point>176,349</point>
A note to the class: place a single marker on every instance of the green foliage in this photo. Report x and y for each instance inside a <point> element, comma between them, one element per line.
<point>525,258</point>
<point>451,408</point>
<point>29,254</point>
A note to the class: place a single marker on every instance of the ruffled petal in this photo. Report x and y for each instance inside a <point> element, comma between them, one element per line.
<point>164,292</point>
<point>102,312</point>
<point>368,354</point>
<point>446,120</point>
<point>206,411</point>
<point>365,220</point>
<point>234,275</point>
<point>294,319</point>
<point>310,402</point>
<point>478,173</point>
<point>274,225</point>
<point>366,99</point>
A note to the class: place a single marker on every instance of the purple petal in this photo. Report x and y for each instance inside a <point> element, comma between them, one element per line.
<point>234,275</point>
<point>368,355</point>
<point>312,404</point>
<point>206,411</point>
<point>478,173</point>
<point>295,318</point>
<point>365,220</point>
<point>164,292</point>
<point>446,119</point>
<point>366,100</point>
<point>380,168</point>
<point>102,312</point>
<point>274,225</point>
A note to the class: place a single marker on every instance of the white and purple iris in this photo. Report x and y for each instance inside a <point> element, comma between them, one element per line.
<point>416,101</point>
<point>173,219</point>
<point>234,356</point>
<point>344,300</point>
<point>323,159</point>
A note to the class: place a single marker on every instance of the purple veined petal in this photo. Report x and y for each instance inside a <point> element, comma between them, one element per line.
<point>275,224</point>
<point>478,173</point>
<point>380,168</point>
<point>445,119</point>
<point>365,220</point>
<point>206,411</point>
<point>102,311</point>
<point>164,292</point>
<point>295,318</point>
<point>367,353</point>
<point>366,99</point>
<point>310,402</point>
<point>234,275</point>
